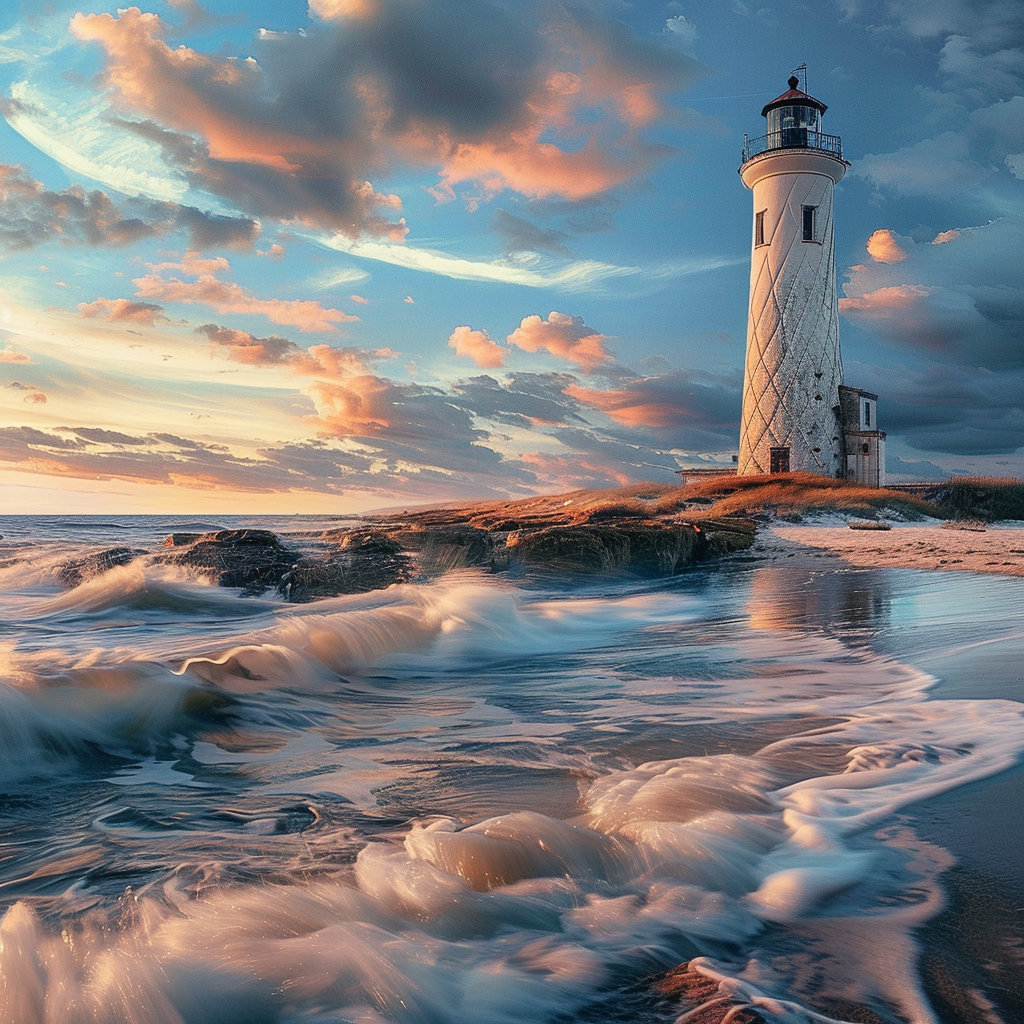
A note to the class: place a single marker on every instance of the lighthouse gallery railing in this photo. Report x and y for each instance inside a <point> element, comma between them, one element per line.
<point>794,138</point>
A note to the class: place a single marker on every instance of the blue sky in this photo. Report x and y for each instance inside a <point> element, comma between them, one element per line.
<point>290,257</point>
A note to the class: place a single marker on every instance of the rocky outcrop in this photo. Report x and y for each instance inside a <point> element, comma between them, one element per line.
<point>566,536</point>
<point>314,578</point>
<point>254,560</point>
<point>77,571</point>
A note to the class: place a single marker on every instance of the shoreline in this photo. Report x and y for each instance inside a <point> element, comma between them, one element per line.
<point>999,549</point>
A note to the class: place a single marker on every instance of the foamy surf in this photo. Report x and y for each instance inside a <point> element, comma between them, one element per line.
<point>466,802</point>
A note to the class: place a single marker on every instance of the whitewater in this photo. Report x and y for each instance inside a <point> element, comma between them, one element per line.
<point>474,799</point>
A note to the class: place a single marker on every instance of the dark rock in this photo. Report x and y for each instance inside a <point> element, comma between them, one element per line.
<point>364,541</point>
<point>251,559</point>
<point>313,579</point>
<point>453,547</point>
<point>177,540</point>
<point>644,549</point>
<point>72,573</point>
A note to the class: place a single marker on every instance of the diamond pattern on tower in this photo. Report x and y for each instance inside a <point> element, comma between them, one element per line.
<point>793,365</point>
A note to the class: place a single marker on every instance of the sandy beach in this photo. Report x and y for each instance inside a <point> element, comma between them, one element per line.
<point>999,549</point>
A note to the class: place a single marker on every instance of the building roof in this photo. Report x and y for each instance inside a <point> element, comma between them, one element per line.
<point>793,95</point>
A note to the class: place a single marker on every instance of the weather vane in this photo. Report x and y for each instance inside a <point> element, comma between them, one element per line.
<point>802,70</point>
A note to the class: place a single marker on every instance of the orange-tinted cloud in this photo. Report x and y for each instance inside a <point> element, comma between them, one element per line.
<point>883,248</point>
<point>8,355</point>
<point>563,335</point>
<point>570,472</point>
<point>123,311</point>
<point>885,300</point>
<point>242,347</point>
<point>359,405</point>
<point>478,346</point>
<point>488,95</point>
<point>680,404</point>
<point>228,297</point>
<point>626,408</point>
<point>316,361</point>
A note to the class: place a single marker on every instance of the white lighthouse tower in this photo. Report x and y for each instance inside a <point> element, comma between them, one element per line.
<point>791,405</point>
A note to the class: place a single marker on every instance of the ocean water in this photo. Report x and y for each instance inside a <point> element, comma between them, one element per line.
<point>476,800</point>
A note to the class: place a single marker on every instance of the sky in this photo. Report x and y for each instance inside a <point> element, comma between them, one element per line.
<point>285,257</point>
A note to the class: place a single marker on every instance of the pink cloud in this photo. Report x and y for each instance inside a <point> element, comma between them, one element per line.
<point>123,311</point>
<point>228,297</point>
<point>242,347</point>
<point>549,107</point>
<point>885,300</point>
<point>316,361</point>
<point>563,335</point>
<point>569,472</point>
<point>627,408</point>
<point>883,248</point>
<point>478,346</point>
<point>8,355</point>
<point>359,405</point>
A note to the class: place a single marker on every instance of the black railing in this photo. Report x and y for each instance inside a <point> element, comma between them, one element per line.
<point>794,138</point>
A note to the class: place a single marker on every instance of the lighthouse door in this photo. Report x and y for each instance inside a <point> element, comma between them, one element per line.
<point>778,460</point>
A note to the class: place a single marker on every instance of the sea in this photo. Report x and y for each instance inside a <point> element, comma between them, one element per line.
<point>480,799</point>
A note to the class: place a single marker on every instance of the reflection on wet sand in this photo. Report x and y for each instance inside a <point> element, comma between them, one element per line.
<point>783,597</point>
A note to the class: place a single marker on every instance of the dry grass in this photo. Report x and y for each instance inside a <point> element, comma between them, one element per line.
<point>987,498</point>
<point>789,494</point>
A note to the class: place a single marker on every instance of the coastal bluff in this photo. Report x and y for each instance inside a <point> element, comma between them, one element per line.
<point>642,531</point>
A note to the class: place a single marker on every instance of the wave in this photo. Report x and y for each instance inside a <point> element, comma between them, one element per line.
<point>775,862</point>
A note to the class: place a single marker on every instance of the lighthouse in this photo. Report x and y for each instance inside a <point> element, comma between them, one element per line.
<point>793,414</point>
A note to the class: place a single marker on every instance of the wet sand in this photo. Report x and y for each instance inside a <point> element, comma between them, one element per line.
<point>999,549</point>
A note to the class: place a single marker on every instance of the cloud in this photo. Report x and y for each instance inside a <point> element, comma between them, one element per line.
<point>29,394</point>
<point>228,297</point>
<point>123,311</point>
<point>243,347</point>
<point>577,275</point>
<point>8,355</point>
<point>543,100</point>
<point>941,167</point>
<point>668,402</point>
<point>563,335</point>
<point>883,247</point>
<point>958,410</point>
<point>522,236</point>
<point>981,68</point>
<point>883,301</point>
<point>317,360</point>
<point>478,346</point>
<point>31,214</point>
<point>957,299</point>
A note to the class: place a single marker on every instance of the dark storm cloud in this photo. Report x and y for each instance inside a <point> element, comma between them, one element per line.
<point>957,410</point>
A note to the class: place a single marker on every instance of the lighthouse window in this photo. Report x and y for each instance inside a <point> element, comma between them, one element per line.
<point>867,414</point>
<point>759,228</point>
<point>808,235</point>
